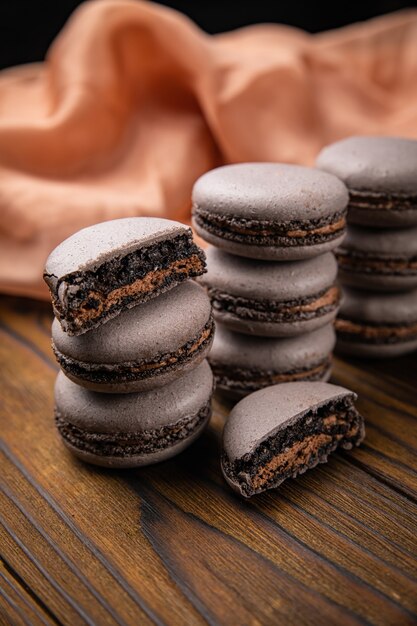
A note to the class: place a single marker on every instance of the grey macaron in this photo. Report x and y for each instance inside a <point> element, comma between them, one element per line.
<point>271,299</point>
<point>379,259</point>
<point>242,363</point>
<point>270,211</point>
<point>380,174</point>
<point>377,325</point>
<point>142,348</point>
<point>284,430</point>
<point>134,429</point>
<point>104,269</point>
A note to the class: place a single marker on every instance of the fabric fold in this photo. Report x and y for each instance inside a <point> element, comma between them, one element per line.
<point>134,102</point>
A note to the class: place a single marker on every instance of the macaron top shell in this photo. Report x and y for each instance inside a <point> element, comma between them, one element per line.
<point>134,412</point>
<point>262,353</point>
<point>159,326</point>
<point>269,191</point>
<point>268,280</point>
<point>380,308</point>
<point>88,248</point>
<point>263,413</point>
<point>379,164</point>
<point>396,243</point>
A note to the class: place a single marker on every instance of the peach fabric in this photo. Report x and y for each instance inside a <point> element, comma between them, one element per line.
<point>133,103</point>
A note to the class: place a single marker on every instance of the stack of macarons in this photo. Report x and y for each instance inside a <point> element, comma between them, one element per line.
<point>271,271</point>
<point>378,258</point>
<point>131,333</point>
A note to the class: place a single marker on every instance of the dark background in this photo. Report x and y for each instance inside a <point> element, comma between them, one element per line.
<point>27,27</point>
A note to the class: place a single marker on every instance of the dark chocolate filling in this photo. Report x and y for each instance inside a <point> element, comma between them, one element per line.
<point>247,379</point>
<point>269,310</point>
<point>362,263</point>
<point>385,201</point>
<point>82,298</point>
<point>376,334</point>
<point>297,447</point>
<point>108,373</point>
<point>268,232</point>
<point>120,444</point>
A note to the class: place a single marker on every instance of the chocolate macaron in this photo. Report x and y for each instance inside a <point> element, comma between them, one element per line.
<point>101,270</point>
<point>379,259</point>
<point>284,430</point>
<point>242,363</point>
<point>377,325</point>
<point>271,299</point>
<point>143,347</point>
<point>270,211</point>
<point>380,174</point>
<point>134,429</point>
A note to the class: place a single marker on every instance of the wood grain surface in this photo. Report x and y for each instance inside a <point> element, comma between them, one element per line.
<point>171,544</point>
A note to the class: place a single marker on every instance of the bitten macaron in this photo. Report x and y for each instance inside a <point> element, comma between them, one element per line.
<point>380,174</point>
<point>144,347</point>
<point>271,299</point>
<point>378,325</point>
<point>104,269</point>
<point>284,430</point>
<point>130,430</point>
<point>379,259</point>
<point>270,211</point>
<point>242,363</point>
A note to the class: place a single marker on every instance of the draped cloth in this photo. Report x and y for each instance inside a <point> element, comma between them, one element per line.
<point>134,102</point>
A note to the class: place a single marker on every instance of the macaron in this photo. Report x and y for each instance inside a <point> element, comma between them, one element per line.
<point>378,259</point>
<point>271,299</point>
<point>380,174</point>
<point>130,430</point>
<point>242,364</point>
<point>270,211</point>
<point>103,269</point>
<point>142,348</point>
<point>377,325</point>
<point>284,430</point>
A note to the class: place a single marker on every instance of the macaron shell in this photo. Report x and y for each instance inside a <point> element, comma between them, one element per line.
<point>280,355</point>
<point>145,384</point>
<point>137,460</point>
<point>377,282</point>
<point>376,164</point>
<point>376,351</point>
<point>134,412</point>
<point>273,329</point>
<point>88,248</point>
<point>270,191</point>
<point>159,326</point>
<point>379,308</point>
<point>263,280</point>
<point>382,218</point>
<point>397,243</point>
<point>234,395</point>
<point>269,253</point>
<point>275,407</point>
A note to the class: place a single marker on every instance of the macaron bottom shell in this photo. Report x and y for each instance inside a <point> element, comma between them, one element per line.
<point>270,253</point>
<point>155,379</point>
<point>138,460</point>
<point>273,329</point>
<point>230,392</point>
<point>377,282</point>
<point>375,351</point>
<point>382,217</point>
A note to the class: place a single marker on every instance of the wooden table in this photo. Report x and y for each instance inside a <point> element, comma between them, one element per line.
<point>171,544</point>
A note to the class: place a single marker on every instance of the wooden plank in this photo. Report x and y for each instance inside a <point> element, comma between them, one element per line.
<point>171,544</point>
